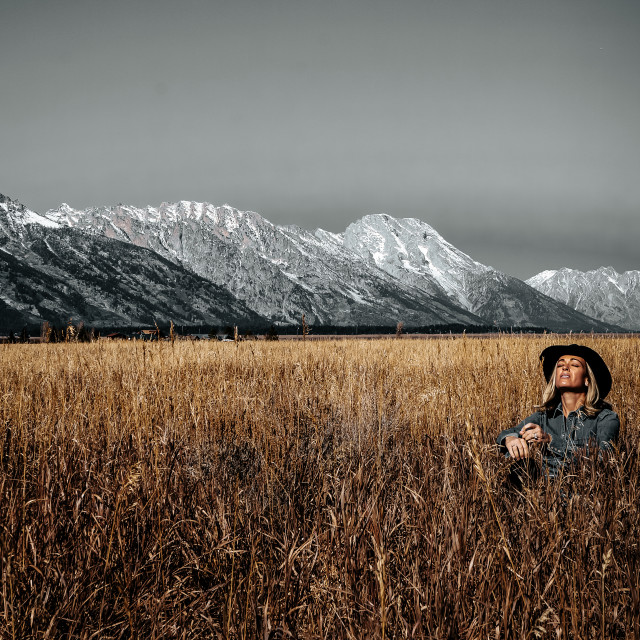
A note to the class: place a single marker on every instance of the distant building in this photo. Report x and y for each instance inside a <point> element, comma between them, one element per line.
<point>148,334</point>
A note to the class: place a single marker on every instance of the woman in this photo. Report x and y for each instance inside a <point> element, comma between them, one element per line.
<point>573,412</point>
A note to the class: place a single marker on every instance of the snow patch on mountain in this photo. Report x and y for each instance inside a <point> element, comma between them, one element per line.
<point>15,216</point>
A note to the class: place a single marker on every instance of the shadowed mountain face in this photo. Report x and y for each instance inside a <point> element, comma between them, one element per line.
<point>214,264</point>
<point>604,293</point>
<point>55,273</point>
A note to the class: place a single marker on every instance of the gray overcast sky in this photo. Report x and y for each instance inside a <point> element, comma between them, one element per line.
<point>511,126</point>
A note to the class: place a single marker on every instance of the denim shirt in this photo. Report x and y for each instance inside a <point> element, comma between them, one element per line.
<point>569,434</point>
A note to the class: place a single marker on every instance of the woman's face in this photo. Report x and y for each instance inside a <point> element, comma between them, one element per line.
<point>571,374</point>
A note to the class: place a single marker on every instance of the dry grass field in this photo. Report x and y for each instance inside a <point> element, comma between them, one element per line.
<point>329,489</point>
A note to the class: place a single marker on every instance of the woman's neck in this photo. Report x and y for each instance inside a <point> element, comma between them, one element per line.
<point>572,400</point>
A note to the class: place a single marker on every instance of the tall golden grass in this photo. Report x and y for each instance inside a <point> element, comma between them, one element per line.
<point>334,489</point>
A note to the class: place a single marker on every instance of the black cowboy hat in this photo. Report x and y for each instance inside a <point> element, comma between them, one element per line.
<point>551,355</point>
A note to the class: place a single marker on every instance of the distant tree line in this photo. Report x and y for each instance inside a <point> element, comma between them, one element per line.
<point>399,328</point>
<point>49,332</point>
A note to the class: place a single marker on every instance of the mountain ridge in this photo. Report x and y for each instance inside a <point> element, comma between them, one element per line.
<point>603,293</point>
<point>280,271</point>
<point>49,272</point>
<point>381,270</point>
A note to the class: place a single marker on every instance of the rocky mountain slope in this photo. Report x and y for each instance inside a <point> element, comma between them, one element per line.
<point>603,293</point>
<point>52,272</point>
<point>280,272</point>
<point>415,253</point>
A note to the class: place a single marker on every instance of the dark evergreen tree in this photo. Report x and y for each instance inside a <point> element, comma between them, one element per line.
<point>272,333</point>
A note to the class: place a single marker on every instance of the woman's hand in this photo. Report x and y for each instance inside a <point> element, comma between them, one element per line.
<point>517,447</point>
<point>531,435</point>
<point>534,435</point>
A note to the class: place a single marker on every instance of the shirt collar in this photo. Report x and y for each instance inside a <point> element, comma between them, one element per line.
<point>558,409</point>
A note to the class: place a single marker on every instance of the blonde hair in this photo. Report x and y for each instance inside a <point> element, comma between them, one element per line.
<point>592,403</point>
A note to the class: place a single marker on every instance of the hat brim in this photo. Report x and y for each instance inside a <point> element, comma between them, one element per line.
<point>551,355</point>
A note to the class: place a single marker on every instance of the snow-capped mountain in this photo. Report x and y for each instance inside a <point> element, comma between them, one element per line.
<point>603,293</point>
<point>208,258</point>
<point>52,272</point>
<point>278,271</point>
<point>414,252</point>
<point>379,271</point>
